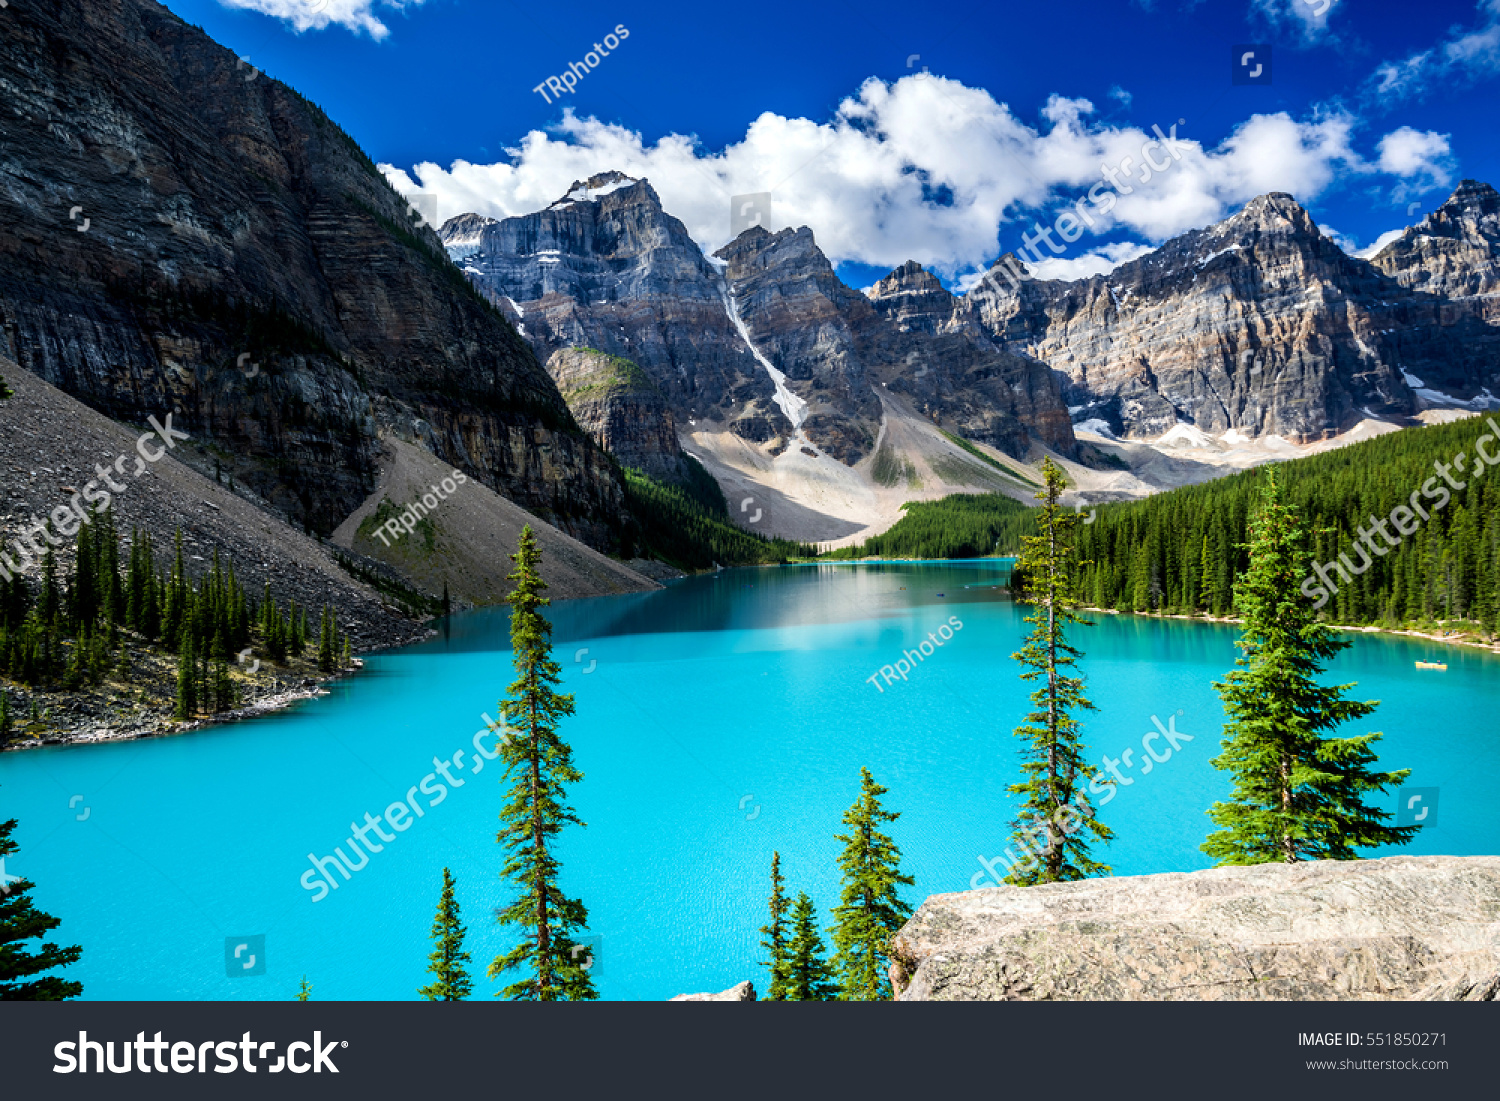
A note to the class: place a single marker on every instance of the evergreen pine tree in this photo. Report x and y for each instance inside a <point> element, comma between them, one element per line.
<point>1298,793</point>
<point>774,935</point>
<point>808,976</point>
<point>19,922</point>
<point>304,990</point>
<point>451,981</point>
<point>540,765</point>
<point>1056,820</point>
<point>50,608</point>
<point>187,679</point>
<point>870,911</point>
<point>326,641</point>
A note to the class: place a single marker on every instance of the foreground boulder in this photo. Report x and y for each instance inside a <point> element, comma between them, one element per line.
<point>744,992</point>
<point>1398,928</point>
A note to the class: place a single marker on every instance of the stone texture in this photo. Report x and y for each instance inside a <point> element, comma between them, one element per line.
<point>616,403</point>
<point>228,217</point>
<point>1389,929</point>
<point>957,374</point>
<point>1454,252</point>
<point>744,992</point>
<point>1258,323</point>
<point>473,534</point>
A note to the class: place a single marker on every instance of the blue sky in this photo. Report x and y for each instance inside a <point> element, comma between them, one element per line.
<point>1373,107</point>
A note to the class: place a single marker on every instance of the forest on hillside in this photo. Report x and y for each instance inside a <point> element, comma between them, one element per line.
<point>962,525</point>
<point>689,525</point>
<point>1180,551</point>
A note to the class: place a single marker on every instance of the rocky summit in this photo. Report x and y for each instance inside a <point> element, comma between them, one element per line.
<point>1454,252</point>
<point>606,267</point>
<point>1400,927</point>
<point>1263,325</point>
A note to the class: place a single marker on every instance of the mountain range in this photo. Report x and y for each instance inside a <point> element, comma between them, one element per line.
<point>826,398</point>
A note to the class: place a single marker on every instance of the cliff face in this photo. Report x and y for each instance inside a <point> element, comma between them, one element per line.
<point>1396,928</point>
<point>617,404</point>
<point>1454,252</point>
<point>1258,323</point>
<point>606,267</point>
<point>957,373</point>
<point>232,255</point>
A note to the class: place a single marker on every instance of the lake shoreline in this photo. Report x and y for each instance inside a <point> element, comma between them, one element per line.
<point>1454,638</point>
<point>158,723</point>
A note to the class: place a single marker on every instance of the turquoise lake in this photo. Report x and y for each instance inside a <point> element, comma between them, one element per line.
<point>719,719</point>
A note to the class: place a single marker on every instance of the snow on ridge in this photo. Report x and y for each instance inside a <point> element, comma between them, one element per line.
<point>1188,435</point>
<point>1097,426</point>
<point>1215,255</point>
<point>790,404</point>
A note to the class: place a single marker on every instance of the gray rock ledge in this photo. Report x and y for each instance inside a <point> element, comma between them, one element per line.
<point>744,992</point>
<point>1397,928</point>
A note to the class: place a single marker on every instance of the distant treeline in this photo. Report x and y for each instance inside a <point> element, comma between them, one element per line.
<point>689,526</point>
<point>964,525</point>
<point>1179,552</point>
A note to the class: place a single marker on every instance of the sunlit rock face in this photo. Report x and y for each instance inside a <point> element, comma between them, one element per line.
<point>1262,324</point>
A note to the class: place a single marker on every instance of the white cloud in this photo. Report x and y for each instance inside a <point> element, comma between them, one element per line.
<point>1101,261</point>
<point>315,15</point>
<point>1464,55</point>
<point>1421,159</point>
<point>1345,242</point>
<point>925,169</point>
<point>1306,18</point>
<point>1121,96</point>
<point>1380,242</point>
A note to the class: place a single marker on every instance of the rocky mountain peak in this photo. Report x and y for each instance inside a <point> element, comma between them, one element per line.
<point>462,235</point>
<point>1274,212</point>
<point>913,298</point>
<point>1454,251</point>
<point>1471,213</point>
<point>612,182</point>
<point>759,245</point>
<point>910,278</point>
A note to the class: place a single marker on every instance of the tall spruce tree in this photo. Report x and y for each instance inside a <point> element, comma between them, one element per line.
<point>1298,792</point>
<point>304,990</point>
<point>870,910</point>
<point>451,981</point>
<point>20,922</point>
<point>187,679</point>
<point>774,935</point>
<point>808,976</point>
<point>540,766</point>
<point>1056,822</point>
